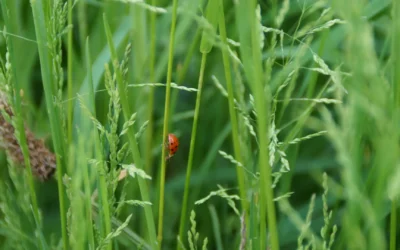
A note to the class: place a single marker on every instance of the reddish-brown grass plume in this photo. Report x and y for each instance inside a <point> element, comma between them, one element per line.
<point>42,160</point>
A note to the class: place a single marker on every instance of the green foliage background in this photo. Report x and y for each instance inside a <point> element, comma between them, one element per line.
<point>329,84</point>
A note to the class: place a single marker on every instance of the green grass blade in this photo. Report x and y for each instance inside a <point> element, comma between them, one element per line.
<point>11,25</point>
<point>54,117</point>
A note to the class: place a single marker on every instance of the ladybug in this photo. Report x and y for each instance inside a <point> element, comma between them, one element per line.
<point>172,145</point>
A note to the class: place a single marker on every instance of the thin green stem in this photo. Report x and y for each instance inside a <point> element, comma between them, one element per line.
<point>166,121</point>
<point>192,148</point>
<point>134,148</point>
<point>54,117</point>
<point>150,97</point>
<point>69,73</point>
<point>150,101</point>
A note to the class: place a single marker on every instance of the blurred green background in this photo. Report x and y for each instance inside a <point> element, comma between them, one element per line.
<point>304,22</point>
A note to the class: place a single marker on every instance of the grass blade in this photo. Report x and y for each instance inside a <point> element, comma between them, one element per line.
<point>54,117</point>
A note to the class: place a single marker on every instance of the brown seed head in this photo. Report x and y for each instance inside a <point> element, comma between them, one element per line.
<point>43,161</point>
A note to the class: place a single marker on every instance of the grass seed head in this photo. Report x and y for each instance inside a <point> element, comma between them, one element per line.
<point>43,161</point>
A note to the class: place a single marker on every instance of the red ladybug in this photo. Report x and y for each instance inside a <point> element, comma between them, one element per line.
<point>172,146</point>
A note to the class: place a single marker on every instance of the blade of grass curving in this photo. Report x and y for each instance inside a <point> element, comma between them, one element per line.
<point>232,111</point>
<point>131,138</point>
<point>11,26</point>
<point>54,117</point>
<point>166,121</point>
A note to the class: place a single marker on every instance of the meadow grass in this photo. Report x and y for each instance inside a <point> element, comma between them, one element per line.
<point>287,114</point>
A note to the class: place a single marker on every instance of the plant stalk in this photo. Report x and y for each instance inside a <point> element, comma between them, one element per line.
<point>69,73</point>
<point>192,148</point>
<point>166,121</point>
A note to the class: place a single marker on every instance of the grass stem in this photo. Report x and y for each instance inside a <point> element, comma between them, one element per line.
<point>69,72</point>
<point>166,121</point>
<point>192,148</point>
<point>150,101</point>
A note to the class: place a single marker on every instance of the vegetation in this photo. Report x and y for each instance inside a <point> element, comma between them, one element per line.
<point>287,116</point>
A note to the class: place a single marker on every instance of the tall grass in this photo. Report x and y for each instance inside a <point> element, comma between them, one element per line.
<point>43,23</point>
<point>286,111</point>
<point>12,85</point>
